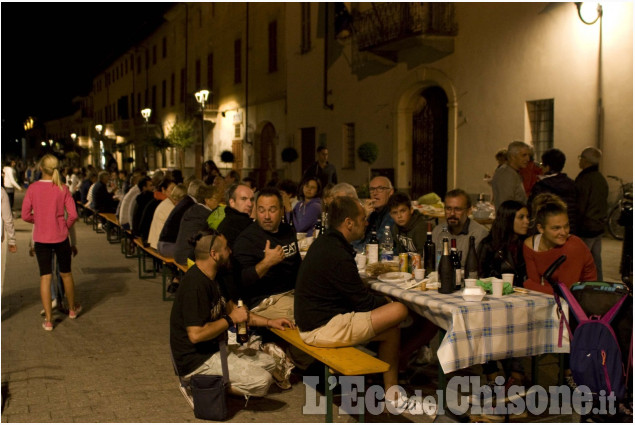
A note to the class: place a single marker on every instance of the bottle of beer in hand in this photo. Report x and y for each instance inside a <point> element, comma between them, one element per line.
<point>447,275</point>
<point>471,262</point>
<point>242,333</point>
<point>429,252</point>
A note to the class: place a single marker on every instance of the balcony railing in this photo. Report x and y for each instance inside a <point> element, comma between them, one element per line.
<point>389,22</point>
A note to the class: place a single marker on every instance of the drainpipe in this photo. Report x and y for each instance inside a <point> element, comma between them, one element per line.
<point>247,73</point>
<point>326,56</point>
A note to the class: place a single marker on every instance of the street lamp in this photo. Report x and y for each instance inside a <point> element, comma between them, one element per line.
<point>201,98</point>
<point>102,158</point>
<point>74,137</point>
<point>145,113</point>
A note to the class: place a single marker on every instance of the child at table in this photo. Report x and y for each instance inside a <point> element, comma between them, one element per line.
<point>410,228</point>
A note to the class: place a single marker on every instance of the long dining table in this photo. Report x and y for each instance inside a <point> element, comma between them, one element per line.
<point>517,325</point>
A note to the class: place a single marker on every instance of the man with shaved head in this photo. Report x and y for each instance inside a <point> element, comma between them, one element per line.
<point>380,190</point>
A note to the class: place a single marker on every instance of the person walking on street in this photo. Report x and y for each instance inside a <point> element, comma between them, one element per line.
<point>593,192</point>
<point>10,181</point>
<point>8,232</point>
<point>45,204</point>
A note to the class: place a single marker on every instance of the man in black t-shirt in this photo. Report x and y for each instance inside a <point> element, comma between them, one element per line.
<point>268,255</point>
<point>201,315</point>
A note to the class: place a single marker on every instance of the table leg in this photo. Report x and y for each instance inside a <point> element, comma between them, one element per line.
<point>329,395</point>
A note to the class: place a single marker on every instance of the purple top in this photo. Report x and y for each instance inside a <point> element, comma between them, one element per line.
<point>306,214</point>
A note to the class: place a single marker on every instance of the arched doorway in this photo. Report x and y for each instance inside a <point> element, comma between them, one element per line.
<point>430,142</point>
<point>267,165</point>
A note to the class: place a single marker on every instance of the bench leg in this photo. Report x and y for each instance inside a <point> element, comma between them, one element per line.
<point>112,233</point>
<point>144,273</point>
<point>329,395</point>
<point>165,270</point>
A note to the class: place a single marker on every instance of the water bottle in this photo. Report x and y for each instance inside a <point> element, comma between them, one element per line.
<point>387,245</point>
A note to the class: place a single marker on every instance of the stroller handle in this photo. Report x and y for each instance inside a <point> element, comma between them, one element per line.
<point>552,268</point>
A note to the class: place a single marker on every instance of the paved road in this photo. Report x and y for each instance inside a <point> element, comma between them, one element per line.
<point>112,364</point>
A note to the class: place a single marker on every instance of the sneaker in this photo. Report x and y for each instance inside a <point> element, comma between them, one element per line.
<point>72,314</point>
<point>53,307</point>
<point>413,405</point>
<point>47,326</point>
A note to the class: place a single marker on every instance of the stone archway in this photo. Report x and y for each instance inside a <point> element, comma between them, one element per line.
<point>406,103</point>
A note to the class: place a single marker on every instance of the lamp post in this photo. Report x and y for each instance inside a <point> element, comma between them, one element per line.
<point>102,160</point>
<point>145,113</point>
<point>201,98</point>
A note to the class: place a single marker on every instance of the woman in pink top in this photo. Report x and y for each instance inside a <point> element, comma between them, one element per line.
<point>49,206</point>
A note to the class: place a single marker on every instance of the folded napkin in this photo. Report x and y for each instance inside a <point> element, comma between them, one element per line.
<point>487,285</point>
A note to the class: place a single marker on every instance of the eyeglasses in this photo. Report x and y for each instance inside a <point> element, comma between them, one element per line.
<point>378,189</point>
<point>455,209</point>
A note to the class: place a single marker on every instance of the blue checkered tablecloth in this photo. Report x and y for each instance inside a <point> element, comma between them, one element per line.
<point>515,325</point>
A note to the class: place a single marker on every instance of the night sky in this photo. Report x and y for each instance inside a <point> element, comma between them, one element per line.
<point>51,52</point>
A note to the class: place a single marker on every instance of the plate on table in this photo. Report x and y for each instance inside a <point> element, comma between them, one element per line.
<point>395,277</point>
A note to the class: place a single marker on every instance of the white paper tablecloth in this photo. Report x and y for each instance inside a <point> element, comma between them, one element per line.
<point>516,325</point>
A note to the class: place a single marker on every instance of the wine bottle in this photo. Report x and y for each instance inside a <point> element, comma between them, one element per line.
<point>242,334</point>
<point>456,263</point>
<point>471,261</point>
<point>429,252</point>
<point>447,275</point>
<point>318,228</point>
<point>372,248</point>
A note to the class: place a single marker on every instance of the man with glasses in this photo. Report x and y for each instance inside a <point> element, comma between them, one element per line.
<point>201,315</point>
<point>380,190</point>
<point>507,183</point>
<point>269,259</point>
<point>457,209</point>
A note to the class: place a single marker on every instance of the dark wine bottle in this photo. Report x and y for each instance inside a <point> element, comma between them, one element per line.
<point>455,258</point>
<point>447,275</point>
<point>429,252</point>
<point>471,261</point>
<point>318,228</point>
<point>372,248</point>
<point>242,333</point>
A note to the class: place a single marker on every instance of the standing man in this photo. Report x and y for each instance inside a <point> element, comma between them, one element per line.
<point>200,317</point>
<point>593,192</point>
<point>269,258</point>
<point>507,183</point>
<point>334,308</point>
<point>380,191</point>
<point>457,208</point>
<point>322,169</point>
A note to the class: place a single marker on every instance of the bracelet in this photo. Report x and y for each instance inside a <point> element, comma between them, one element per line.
<point>229,320</point>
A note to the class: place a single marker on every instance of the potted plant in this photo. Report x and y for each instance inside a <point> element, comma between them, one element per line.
<point>368,152</point>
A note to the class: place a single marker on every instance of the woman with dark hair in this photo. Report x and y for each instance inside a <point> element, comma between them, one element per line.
<point>552,241</point>
<point>307,211</point>
<point>210,172</point>
<point>502,250</point>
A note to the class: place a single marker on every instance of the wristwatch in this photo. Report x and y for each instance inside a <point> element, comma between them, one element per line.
<point>229,320</point>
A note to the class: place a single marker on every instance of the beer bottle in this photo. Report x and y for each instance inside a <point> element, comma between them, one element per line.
<point>242,333</point>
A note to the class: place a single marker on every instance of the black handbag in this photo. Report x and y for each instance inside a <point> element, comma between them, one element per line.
<point>209,392</point>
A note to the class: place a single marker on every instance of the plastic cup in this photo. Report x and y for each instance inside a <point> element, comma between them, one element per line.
<point>470,283</point>
<point>508,277</point>
<point>361,261</point>
<point>419,274</point>
<point>497,287</point>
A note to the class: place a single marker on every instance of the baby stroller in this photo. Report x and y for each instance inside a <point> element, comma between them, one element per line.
<point>602,342</point>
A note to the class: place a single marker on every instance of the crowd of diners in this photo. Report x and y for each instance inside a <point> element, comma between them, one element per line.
<point>240,242</point>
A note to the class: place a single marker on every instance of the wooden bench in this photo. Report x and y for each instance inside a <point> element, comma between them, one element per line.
<point>112,226</point>
<point>146,251</point>
<point>348,361</point>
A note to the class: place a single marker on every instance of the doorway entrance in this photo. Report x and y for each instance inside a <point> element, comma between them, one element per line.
<point>267,165</point>
<point>430,143</point>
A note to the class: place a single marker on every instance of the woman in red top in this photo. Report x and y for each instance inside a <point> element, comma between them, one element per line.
<point>48,204</point>
<point>552,241</point>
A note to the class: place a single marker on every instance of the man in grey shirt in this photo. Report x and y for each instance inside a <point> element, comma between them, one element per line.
<point>507,183</point>
<point>457,209</point>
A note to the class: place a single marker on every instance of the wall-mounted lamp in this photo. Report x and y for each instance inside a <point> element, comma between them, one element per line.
<point>74,137</point>
<point>589,12</point>
<point>99,127</point>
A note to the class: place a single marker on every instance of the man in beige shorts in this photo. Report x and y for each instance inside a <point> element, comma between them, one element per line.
<point>333,307</point>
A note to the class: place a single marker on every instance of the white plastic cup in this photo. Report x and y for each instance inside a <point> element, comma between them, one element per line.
<point>508,277</point>
<point>419,274</point>
<point>361,261</point>
<point>470,283</point>
<point>497,287</point>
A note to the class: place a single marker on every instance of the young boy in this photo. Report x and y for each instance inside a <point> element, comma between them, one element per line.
<point>409,230</point>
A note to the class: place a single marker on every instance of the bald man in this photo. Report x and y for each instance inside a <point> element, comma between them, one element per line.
<point>380,190</point>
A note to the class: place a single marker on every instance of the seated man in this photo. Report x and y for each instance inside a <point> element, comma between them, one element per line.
<point>380,190</point>
<point>103,200</point>
<point>146,195</point>
<point>201,315</point>
<point>333,307</point>
<point>457,208</point>
<point>269,258</point>
<point>163,211</point>
<point>161,192</point>
<point>240,203</point>
<point>170,230</point>
<point>410,228</point>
